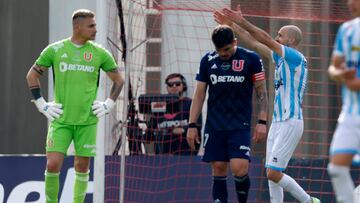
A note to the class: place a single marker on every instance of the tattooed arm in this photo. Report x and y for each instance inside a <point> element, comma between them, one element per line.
<point>51,110</point>
<point>33,76</point>
<point>101,108</point>
<point>116,88</point>
<point>262,108</point>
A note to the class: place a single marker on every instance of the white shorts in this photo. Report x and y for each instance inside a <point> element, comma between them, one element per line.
<point>281,143</point>
<point>346,139</point>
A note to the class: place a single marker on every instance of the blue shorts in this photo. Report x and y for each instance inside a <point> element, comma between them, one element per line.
<point>226,145</point>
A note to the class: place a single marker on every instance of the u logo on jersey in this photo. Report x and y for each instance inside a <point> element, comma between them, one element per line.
<point>87,56</point>
<point>238,65</point>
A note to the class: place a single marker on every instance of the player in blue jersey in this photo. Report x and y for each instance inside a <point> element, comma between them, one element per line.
<point>344,68</point>
<point>229,74</point>
<point>290,83</point>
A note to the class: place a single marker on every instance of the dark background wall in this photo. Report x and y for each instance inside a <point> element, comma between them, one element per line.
<point>23,34</point>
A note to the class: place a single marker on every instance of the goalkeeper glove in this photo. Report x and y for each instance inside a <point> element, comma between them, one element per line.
<point>101,108</point>
<point>51,110</point>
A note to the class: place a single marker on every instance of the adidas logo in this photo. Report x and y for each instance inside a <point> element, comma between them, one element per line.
<point>214,66</point>
<point>64,55</point>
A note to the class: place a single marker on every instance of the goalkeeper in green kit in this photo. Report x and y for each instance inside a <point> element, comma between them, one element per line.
<point>76,63</point>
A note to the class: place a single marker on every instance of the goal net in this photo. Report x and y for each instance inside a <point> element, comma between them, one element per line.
<point>171,36</point>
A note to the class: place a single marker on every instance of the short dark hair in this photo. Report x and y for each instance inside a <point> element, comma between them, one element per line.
<point>222,36</point>
<point>82,13</point>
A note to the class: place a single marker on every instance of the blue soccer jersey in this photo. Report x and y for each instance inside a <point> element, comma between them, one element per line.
<point>230,85</point>
<point>347,44</point>
<point>290,83</point>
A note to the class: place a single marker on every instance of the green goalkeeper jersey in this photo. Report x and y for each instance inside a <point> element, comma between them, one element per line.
<point>76,77</point>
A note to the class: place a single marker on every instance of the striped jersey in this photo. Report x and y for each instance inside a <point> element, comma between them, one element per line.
<point>347,44</point>
<point>290,83</point>
<point>230,83</point>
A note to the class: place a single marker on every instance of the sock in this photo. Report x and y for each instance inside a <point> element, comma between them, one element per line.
<point>276,192</point>
<point>342,183</point>
<point>80,186</point>
<point>294,188</point>
<point>242,185</point>
<point>51,187</point>
<point>219,189</point>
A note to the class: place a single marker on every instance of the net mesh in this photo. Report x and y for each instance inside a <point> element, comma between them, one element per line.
<point>166,36</point>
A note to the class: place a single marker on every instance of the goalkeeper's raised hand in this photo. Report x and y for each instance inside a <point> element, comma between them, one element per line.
<point>51,110</point>
<point>101,108</point>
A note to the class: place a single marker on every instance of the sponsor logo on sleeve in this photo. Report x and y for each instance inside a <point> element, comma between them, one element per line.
<point>57,46</point>
<point>210,57</point>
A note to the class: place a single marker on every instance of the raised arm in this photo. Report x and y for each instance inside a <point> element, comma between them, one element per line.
<point>244,38</point>
<point>250,43</point>
<point>257,33</point>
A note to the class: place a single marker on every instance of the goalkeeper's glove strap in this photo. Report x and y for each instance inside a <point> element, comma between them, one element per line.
<point>36,93</point>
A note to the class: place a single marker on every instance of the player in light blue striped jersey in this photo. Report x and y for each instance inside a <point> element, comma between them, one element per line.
<point>290,83</point>
<point>344,68</point>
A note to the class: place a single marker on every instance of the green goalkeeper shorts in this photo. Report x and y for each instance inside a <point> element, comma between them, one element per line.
<point>59,138</point>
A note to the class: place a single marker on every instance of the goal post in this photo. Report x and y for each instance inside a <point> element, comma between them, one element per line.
<point>167,36</point>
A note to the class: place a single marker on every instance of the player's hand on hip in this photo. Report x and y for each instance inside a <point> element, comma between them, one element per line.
<point>51,110</point>
<point>100,108</point>
<point>259,133</point>
<point>192,136</point>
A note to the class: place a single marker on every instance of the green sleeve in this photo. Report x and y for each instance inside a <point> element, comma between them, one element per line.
<point>46,57</point>
<point>108,62</point>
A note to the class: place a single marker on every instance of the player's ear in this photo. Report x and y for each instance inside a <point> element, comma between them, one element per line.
<point>76,27</point>
<point>292,41</point>
<point>77,23</point>
<point>235,42</point>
